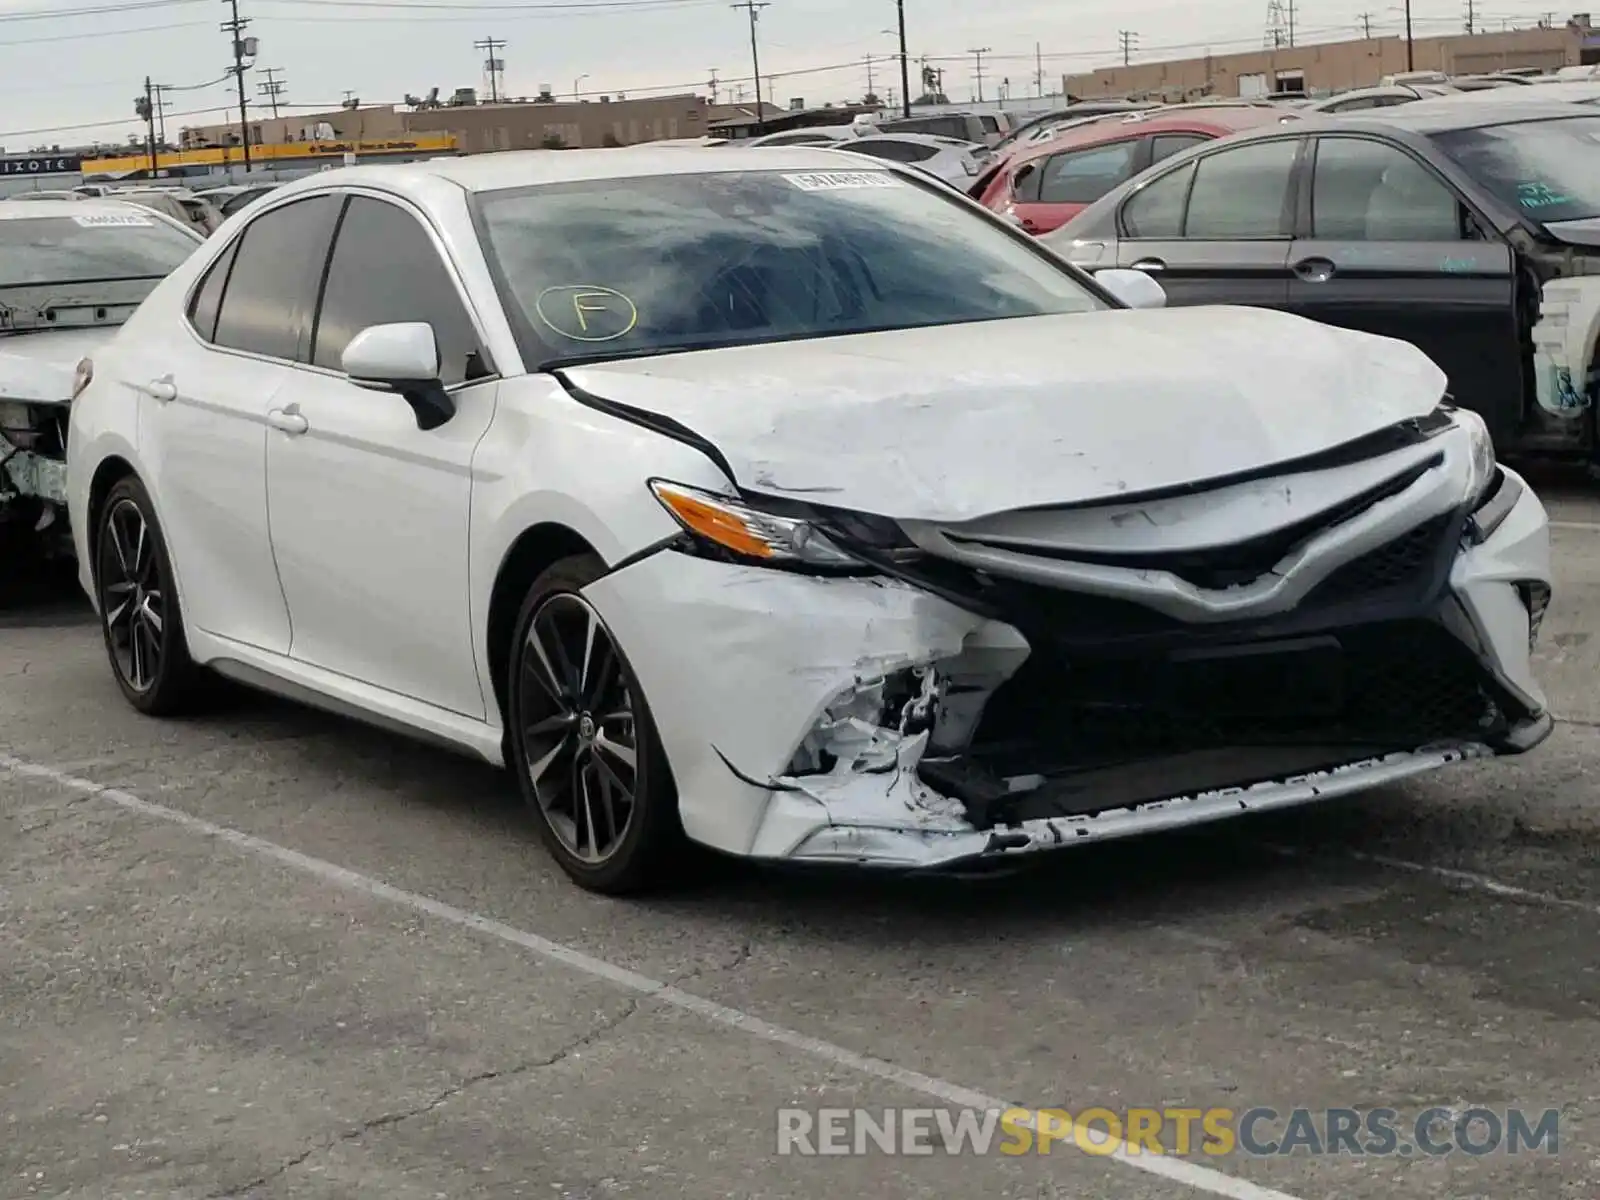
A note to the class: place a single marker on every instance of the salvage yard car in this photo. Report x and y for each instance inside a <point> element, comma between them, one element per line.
<point>1470,230</point>
<point>71,271</point>
<point>770,501</point>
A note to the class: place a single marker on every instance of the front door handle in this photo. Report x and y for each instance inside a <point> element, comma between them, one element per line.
<point>289,420</point>
<point>162,389</point>
<point>1314,270</point>
<point>1149,264</point>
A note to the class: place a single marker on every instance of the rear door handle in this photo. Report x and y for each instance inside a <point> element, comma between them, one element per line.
<point>288,420</point>
<point>1149,264</point>
<point>1314,270</point>
<point>162,389</point>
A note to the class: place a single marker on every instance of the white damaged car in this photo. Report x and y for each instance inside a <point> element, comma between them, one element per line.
<point>71,272</point>
<point>767,501</point>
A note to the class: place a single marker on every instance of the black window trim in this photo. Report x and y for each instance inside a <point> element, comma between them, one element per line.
<point>344,194</point>
<point>1191,160</point>
<point>1305,230</point>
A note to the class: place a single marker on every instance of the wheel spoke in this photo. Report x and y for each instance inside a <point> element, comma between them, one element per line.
<point>598,682</point>
<point>537,770</point>
<point>114,615</point>
<point>604,777</point>
<point>552,681</point>
<point>616,750</point>
<point>584,791</point>
<point>119,548</point>
<point>562,722</point>
<point>148,611</point>
<point>135,651</point>
<point>590,625</point>
<point>139,565</point>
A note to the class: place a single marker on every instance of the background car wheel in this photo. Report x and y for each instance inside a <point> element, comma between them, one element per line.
<point>583,743</point>
<point>139,612</point>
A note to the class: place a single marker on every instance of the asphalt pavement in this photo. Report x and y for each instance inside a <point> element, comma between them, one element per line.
<point>271,953</point>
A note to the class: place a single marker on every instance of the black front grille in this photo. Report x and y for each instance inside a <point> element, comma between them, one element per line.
<point>1408,563</point>
<point>1399,684</point>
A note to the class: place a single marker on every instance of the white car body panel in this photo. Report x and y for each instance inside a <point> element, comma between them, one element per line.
<point>353,565</point>
<point>1109,403</point>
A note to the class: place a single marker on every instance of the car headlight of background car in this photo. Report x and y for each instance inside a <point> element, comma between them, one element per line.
<point>1490,493</point>
<point>743,530</point>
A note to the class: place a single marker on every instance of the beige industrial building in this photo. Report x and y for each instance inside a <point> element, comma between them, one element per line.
<point>1338,66</point>
<point>517,125</point>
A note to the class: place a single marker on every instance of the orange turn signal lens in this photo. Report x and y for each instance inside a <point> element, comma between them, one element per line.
<point>724,523</point>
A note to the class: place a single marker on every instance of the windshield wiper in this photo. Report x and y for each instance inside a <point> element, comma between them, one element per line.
<point>589,360</point>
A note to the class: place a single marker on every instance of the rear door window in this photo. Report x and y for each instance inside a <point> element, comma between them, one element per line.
<point>1083,176</point>
<point>266,308</point>
<point>1165,145</point>
<point>1242,193</point>
<point>1155,211</point>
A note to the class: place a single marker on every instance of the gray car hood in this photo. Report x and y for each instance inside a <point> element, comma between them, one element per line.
<point>956,422</point>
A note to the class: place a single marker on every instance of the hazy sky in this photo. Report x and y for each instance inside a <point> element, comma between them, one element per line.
<point>81,62</point>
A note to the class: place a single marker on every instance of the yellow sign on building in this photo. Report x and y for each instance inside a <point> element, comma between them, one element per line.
<point>276,153</point>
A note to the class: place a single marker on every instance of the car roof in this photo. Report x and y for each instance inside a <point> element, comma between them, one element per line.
<point>1447,114</point>
<point>528,168</point>
<point>87,207</point>
<point>1221,119</point>
<point>915,139</point>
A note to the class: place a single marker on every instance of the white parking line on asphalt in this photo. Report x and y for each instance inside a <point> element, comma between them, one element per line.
<point>1472,879</point>
<point>1181,1171</point>
<point>1586,526</point>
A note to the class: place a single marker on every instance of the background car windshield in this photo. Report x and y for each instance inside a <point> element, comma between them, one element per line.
<point>77,250</point>
<point>1550,170</point>
<point>639,266</point>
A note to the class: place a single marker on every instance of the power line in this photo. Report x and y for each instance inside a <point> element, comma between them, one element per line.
<point>753,8</point>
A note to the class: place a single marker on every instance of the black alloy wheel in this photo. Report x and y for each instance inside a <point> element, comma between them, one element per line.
<point>583,743</point>
<point>139,611</point>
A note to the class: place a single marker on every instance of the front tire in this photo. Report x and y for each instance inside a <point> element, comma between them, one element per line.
<point>140,617</point>
<point>583,743</point>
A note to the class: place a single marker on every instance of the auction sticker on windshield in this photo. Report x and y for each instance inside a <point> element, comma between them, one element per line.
<point>99,219</point>
<point>830,181</point>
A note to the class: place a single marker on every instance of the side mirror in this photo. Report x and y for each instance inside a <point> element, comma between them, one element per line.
<point>401,358</point>
<point>1133,288</point>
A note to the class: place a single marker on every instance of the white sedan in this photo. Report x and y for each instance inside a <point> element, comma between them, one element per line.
<point>734,498</point>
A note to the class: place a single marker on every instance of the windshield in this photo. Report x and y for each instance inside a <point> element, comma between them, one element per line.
<point>94,248</point>
<point>628,267</point>
<point>1547,170</point>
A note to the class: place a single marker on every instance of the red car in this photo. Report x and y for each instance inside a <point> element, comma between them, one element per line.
<point>1044,184</point>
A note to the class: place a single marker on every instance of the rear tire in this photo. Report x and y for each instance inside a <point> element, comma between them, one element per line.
<point>584,745</point>
<point>140,615</point>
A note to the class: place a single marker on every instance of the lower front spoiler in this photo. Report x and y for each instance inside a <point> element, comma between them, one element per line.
<point>934,844</point>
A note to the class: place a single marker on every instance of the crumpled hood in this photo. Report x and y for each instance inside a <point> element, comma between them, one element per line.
<point>1584,232</point>
<point>954,423</point>
<point>38,367</point>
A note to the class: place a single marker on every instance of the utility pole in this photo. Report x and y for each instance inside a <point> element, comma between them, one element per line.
<point>871,91</point>
<point>1289,5</point>
<point>1127,38</point>
<point>977,68</point>
<point>161,112</point>
<point>236,27</point>
<point>1038,70</point>
<point>494,65</point>
<point>754,7</point>
<point>905,70</point>
<point>272,89</point>
<point>1411,61</point>
<point>144,106</point>
<point>1366,25</point>
<point>1471,18</point>
<point>712,84</point>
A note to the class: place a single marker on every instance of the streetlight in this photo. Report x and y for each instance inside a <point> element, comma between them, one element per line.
<point>577,95</point>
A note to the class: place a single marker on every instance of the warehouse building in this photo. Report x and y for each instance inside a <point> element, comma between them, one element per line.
<point>1339,66</point>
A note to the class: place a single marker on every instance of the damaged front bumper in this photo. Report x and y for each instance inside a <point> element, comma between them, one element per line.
<point>841,719</point>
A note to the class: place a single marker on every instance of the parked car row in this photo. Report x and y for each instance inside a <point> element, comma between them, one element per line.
<point>1471,230</point>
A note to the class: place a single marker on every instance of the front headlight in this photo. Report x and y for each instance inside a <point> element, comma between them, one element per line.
<point>739,528</point>
<point>1482,472</point>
